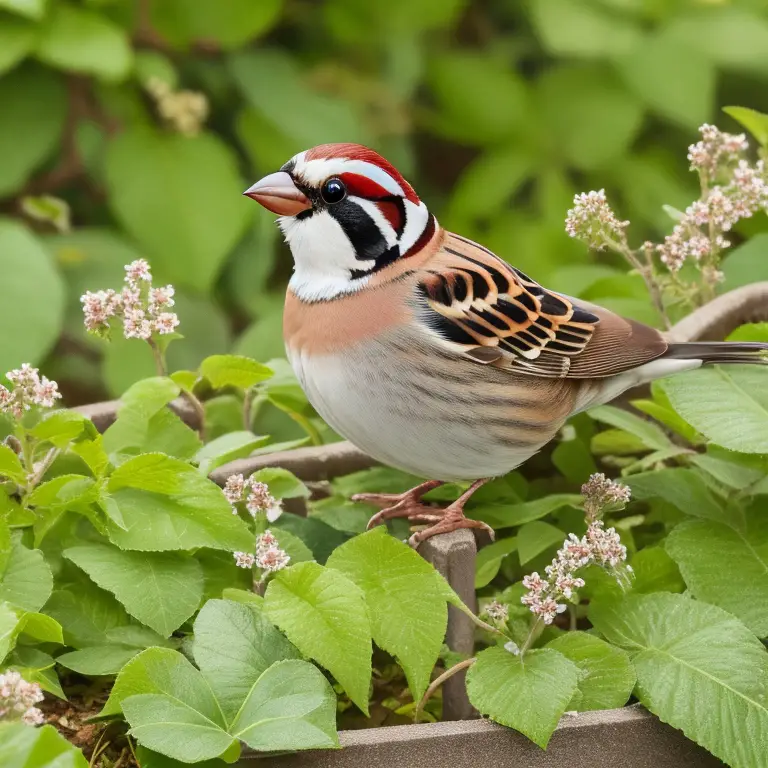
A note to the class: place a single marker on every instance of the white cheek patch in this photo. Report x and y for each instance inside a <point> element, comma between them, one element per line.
<point>323,257</point>
<point>416,219</point>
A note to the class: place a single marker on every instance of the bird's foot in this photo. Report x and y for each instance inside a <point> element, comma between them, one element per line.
<point>407,504</point>
<point>410,506</point>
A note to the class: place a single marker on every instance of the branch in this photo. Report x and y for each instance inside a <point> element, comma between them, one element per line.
<point>723,315</point>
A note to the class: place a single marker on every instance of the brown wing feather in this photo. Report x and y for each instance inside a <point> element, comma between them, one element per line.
<point>499,316</point>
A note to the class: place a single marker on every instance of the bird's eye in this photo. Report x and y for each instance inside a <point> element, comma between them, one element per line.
<point>333,191</point>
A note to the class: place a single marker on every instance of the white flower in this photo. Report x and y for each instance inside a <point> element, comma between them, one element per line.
<point>165,322</point>
<point>18,699</point>
<point>259,499</point>
<point>137,270</point>
<point>592,220</point>
<point>497,611</point>
<point>29,389</point>
<point>234,489</point>
<point>244,559</point>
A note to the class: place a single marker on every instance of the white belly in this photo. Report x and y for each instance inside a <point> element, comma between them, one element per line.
<point>377,408</point>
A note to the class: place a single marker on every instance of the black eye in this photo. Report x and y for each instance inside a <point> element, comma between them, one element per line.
<point>333,191</point>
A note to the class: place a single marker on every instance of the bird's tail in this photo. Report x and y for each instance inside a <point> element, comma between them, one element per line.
<point>720,352</point>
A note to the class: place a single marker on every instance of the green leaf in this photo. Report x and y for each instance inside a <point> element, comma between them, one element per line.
<point>282,483</point>
<point>706,551</point>
<point>252,645</point>
<point>172,726</point>
<point>509,515</point>
<point>79,40</point>
<point>698,669</point>
<point>226,448</point>
<point>755,122</point>
<point>60,428</point>
<point>25,262</point>
<point>155,192</point>
<point>37,667</point>
<point>535,537</point>
<point>317,535</point>
<point>34,108</point>
<point>163,671</point>
<point>651,435</point>
<point>160,589</point>
<point>729,406</point>
<point>27,582</point>
<point>529,696</point>
<point>683,488</point>
<point>25,747</point>
<point>606,675</point>
<point>746,264</point>
<point>10,466</point>
<point>41,627</point>
<point>184,22</point>
<point>98,660</point>
<point>655,571</point>
<point>291,706</point>
<point>145,424</point>
<point>9,629</point>
<point>324,615</point>
<point>234,371</point>
<point>406,600</point>
<point>167,504</point>
<point>490,558</point>
<point>17,39</point>
<point>31,9</point>
<point>582,30</point>
<point>675,82</point>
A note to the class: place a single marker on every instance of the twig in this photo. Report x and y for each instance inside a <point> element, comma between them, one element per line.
<point>438,681</point>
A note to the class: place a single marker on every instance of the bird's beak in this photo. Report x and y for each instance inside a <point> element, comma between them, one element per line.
<point>278,193</point>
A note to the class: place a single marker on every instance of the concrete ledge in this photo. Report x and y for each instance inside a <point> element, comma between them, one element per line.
<point>615,738</point>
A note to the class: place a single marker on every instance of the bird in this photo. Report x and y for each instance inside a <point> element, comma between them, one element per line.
<point>428,351</point>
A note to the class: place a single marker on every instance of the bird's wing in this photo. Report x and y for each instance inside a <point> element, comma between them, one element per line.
<point>484,309</point>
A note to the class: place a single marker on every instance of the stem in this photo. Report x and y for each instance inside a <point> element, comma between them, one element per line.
<point>160,366</point>
<point>307,426</point>
<point>248,408</point>
<point>42,468</point>
<point>573,623</point>
<point>535,631</point>
<point>438,681</point>
<point>199,410</point>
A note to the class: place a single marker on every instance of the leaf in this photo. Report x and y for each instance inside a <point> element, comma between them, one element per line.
<point>324,615</point>
<point>155,192</point>
<point>529,696</point>
<point>34,108</point>
<point>698,669</point>
<point>490,558</point>
<point>535,537</point>
<point>184,22</point>
<point>31,9</point>
<point>98,660</point>
<point>9,630</point>
<point>59,428</point>
<point>226,448</point>
<point>234,371</point>
<point>706,551</point>
<point>729,406</point>
<point>27,582</point>
<point>406,599</point>
<point>160,589</point>
<point>746,263</point>
<point>683,488</point>
<point>25,262</point>
<point>581,30</point>
<point>234,645</point>
<point>755,122</point>
<point>17,40</point>
<point>509,515</point>
<point>25,747</point>
<point>10,465</point>
<point>655,571</point>
<point>79,40</point>
<point>606,675</point>
<point>646,431</point>
<point>173,727</point>
<point>282,483</point>
<point>41,627</point>
<point>37,667</point>
<point>674,81</point>
<point>163,671</point>
<point>167,504</point>
<point>291,706</point>
<point>319,537</point>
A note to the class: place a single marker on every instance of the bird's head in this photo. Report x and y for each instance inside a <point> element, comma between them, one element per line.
<point>346,214</point>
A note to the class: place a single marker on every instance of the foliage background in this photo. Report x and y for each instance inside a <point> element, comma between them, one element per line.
<point>497,110</point>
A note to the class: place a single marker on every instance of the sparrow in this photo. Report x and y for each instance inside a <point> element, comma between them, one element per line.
<point>428,351</point>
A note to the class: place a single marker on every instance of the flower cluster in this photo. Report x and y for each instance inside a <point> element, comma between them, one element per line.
<point>18,699</point>
<point>497,612</point>
<point>142,308</point>
<point>599,546</point>
<point>29,388</point>
<point>185,111</point>
<point>715,150</point>
<point>699,233</point>
<point>592,220</point>
<point>255,494</point>
<point>269,557</point>
<point>601,494</point>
